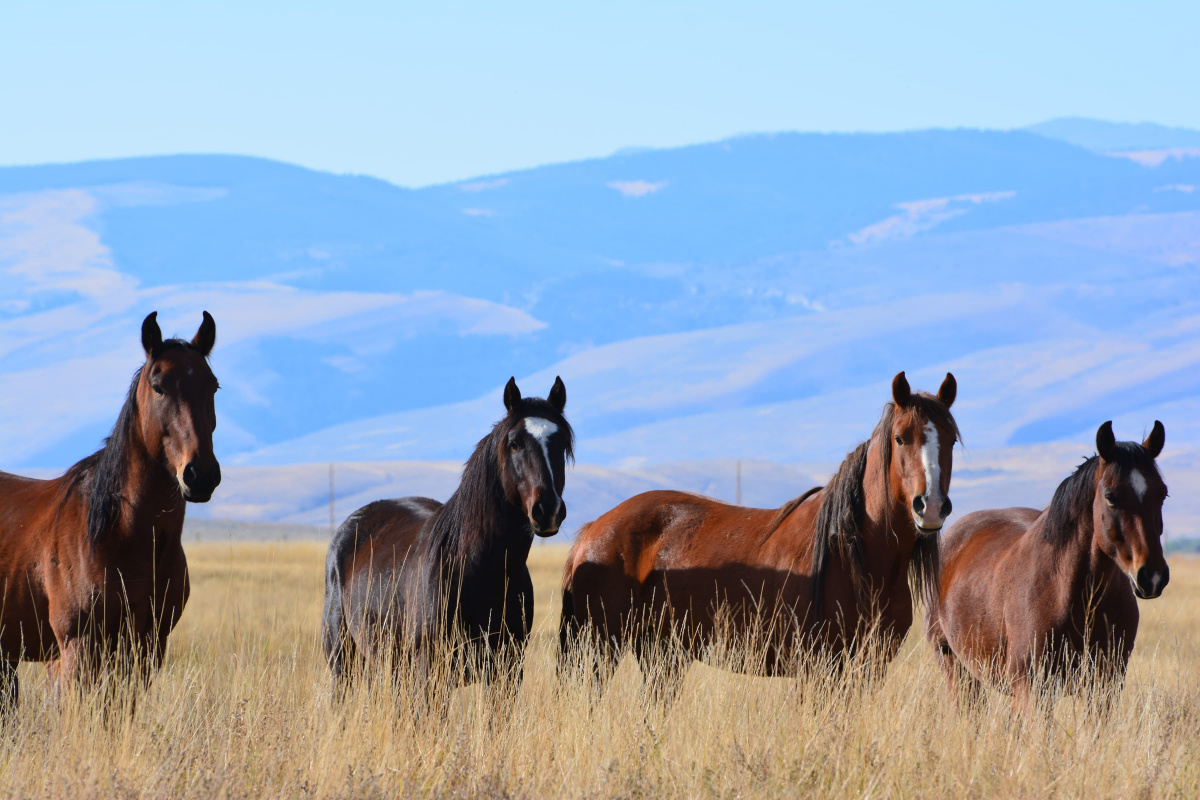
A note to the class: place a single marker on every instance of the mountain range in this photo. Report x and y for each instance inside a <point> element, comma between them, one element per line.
<point>745,299</point>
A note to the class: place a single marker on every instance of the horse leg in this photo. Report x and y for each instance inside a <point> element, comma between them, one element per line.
<point>344,661</point>
<point>584,649</point>
<point>965,689</point>
<point>664,663</point>
<point>9,688</point>
<point>1104,692</point>
<point>502,681</point>
<point>66,673</point>
<point>431,692</point>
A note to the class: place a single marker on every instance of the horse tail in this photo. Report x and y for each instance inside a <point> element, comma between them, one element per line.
<point>336,639</point>
<point>568,623</point>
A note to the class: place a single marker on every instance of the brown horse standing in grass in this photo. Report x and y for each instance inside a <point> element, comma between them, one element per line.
<point>669,572</point>
<point>1028,595</point>
<point>410,577</point>
<point>91,564</point>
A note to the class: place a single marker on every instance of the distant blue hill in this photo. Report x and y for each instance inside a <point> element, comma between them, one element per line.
<point>1106,137</point>
<point>345,300</point>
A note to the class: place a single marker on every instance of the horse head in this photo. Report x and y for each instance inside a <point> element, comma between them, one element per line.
<point>919,450</point>
<point>1127,508</point>
<point>176,410</point>
<point>533,445</point>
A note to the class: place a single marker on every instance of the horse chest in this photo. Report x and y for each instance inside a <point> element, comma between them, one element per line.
<point>122,589</point>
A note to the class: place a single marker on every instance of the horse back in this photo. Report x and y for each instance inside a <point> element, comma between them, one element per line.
<point>377,538</point>
<point>989,530</point>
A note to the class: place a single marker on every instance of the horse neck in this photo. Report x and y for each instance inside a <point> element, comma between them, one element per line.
<point>479,530</point>
<point>1077,557</point>
<point>887,529</point>
<point>152,508</point>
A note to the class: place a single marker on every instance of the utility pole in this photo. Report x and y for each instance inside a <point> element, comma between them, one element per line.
<point>738,485</point>
<point>331,528</point>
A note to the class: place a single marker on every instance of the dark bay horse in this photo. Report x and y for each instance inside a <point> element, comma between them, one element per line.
<point>670,572</point>
<point>413,575</point>
<point>1026,595</point>
<point>92,564</point>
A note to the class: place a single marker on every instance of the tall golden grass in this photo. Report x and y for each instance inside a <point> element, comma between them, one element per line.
<point>242,708</point>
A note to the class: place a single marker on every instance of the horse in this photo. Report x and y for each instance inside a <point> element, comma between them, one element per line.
<point>410,577</point>
<point>92,567</point>
<point>672,573</point>
<point>1027,596</point>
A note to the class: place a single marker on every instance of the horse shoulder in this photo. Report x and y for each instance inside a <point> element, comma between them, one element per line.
<point>790,544</point>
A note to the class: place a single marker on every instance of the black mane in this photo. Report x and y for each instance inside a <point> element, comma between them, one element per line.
<point>840,517</point>
<point>473,514</point>
<point>1071,505</point>
<point>102,474</point>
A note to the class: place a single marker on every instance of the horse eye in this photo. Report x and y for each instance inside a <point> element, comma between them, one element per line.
<point>157,389</point>
<point>899,440</point>
<point>1110,498</point>
<point>513,447</point>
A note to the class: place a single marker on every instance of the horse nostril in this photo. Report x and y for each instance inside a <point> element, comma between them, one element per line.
<point>539,510</point>
<point>189,475</point>
<point>947,507</point>
<point>919,505</point>
<point>1151,582</point>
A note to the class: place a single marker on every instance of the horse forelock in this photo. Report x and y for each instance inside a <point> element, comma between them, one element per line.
<point>537,408</point>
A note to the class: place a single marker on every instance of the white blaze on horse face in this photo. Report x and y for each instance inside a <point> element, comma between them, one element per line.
<point>933,473</point>
<point>541,430</point>
<point>1138,481</point>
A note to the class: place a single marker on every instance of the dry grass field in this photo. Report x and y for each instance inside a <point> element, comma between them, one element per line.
<point>242,708</point>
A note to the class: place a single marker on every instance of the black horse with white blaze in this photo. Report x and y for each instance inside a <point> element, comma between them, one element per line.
<point>410,575</point>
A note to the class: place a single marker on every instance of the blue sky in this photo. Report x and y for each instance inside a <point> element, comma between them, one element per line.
<point>434,92</point>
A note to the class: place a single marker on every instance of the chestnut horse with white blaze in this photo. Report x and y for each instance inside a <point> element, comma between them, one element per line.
<point>669,572</point>
<point>92,563</point>
<point>1026,595</point>
<point>406,577</point>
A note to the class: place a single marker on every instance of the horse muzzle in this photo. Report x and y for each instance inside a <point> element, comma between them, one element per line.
<point>198,482</point>
<point>545,522</point>
<point>929,520</point>
<point>1149,583</point>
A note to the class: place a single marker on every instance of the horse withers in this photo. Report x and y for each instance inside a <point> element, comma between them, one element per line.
<point>1027,596</point>
<point>405,579</point>
<point>92,567</point>
<point>671,573</point>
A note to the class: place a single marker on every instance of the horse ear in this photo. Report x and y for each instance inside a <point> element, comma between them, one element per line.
<point>558,395</point>
<point>512,395</point>
<point>151,333</point>
<point>1154,442</point>
<point>901,391</point>
<point>1106,442</point>
<point>948,390</point>
<point>206,336</point>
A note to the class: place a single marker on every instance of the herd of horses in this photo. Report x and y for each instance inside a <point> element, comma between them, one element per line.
<point>94,574</point>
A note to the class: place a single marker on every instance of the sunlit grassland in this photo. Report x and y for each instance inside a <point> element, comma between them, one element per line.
<point>242,708</point>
